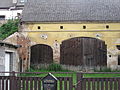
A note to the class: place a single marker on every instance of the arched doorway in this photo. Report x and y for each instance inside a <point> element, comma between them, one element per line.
<point>84,51</point>
<point>41,54</point>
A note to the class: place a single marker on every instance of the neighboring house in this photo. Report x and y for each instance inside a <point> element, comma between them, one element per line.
<point>23,50</point>
<point>11,9</point>
<point>73,32</point>
<point>9,60</point>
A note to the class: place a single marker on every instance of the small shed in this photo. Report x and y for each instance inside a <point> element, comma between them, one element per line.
<point>9,60</point>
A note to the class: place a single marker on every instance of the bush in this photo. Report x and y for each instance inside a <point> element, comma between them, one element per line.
<point>47,68</point>
<point>55,67</point>
<point>9,28</point>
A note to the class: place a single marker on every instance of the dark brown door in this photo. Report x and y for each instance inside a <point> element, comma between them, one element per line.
<point>84,51</point>
<point>41,53</point>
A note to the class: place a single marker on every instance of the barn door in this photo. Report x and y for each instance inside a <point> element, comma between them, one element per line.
<point>41,53</point>
<point>84,51</point>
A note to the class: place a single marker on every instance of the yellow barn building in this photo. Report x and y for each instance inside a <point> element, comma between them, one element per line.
<point>67,27</point>
<point>51,22</point>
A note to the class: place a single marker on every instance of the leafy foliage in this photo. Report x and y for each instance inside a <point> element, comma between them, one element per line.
<point>53,67</point>
<point>9,28</point>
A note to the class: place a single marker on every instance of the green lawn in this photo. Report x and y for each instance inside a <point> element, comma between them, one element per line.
<point>102,75</point>
<point>69,74</point>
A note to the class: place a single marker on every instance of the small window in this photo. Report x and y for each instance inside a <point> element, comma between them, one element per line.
<point>22,1</point>
<point>39,27</point>
<point>110,56</point>
<point>107,26</point>
<point>61,27</point>
<point>2,17</point>
<point>118,47</point>
<point>18,14</point>
<point>118,59</point>
<point>84,27</point>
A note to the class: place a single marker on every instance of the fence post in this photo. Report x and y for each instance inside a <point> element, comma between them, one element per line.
<point>13,81</point>
<point>79,81</point>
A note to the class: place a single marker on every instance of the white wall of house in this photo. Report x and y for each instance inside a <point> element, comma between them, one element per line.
<point>10,14</point>
<point>9,59</point>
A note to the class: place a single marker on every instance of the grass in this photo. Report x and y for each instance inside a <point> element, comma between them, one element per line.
<point>101,75</point>
<point>58,68</point>
<point>72,73</point>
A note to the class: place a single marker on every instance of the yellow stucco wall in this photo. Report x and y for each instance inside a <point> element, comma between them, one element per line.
<point>49,33</point>
<point>77,26</point>
<point>53,32</point>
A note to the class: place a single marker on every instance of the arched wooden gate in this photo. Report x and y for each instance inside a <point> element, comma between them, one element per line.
<point>41,53</point>
<point>84,51</point>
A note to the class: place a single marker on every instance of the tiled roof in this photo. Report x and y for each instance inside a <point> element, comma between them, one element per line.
<point>8,44</point>
<point>71,10</point>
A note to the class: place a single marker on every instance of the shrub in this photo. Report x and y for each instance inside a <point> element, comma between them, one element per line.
<point>55,67</point>
<point>9,28</point>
